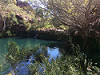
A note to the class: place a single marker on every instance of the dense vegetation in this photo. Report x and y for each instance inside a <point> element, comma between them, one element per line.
<point>75,22</point>
<point>20,16</point>
<point>73,62</point>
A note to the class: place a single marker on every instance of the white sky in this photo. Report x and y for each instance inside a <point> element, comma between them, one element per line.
<point>33,3</point>
<point>22,0</point>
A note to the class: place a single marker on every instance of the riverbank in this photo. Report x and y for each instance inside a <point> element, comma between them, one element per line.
<point>50,34</point>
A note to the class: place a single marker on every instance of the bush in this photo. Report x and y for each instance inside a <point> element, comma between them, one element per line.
<point>69,64</point>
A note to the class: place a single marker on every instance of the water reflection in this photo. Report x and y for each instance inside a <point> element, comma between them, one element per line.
<point>23,67</point>
<point>27,43</point>
<point>53,52</point>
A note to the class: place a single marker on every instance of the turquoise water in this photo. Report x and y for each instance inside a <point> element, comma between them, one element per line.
<point>53,51</point>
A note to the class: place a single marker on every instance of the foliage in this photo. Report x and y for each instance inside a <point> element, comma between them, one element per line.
<point>0,67</point>
<point>1,35</point>
<point>8,1</point>
<point>14,53</point>
<point>77,14</point>
<point>39,18</point>
<point>9,33</point>
<point>55,67</point>
<point>12,14</point>
<point>72,63</point>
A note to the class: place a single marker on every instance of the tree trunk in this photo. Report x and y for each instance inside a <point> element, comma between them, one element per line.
<point>4,26</point>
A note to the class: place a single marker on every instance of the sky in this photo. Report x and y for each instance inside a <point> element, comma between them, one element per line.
<point>41,5</point>
<point>22,0</point>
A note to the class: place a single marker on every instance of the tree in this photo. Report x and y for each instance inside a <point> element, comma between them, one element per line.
<point>4,11</point>
<point>77,14</point>
<point>8,1</point>
<point>4,16</point>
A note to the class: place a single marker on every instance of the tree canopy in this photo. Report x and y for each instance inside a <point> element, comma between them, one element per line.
<point>78,14</point>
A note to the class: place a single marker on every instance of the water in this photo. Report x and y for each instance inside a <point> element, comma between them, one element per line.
<point>53,51</point>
